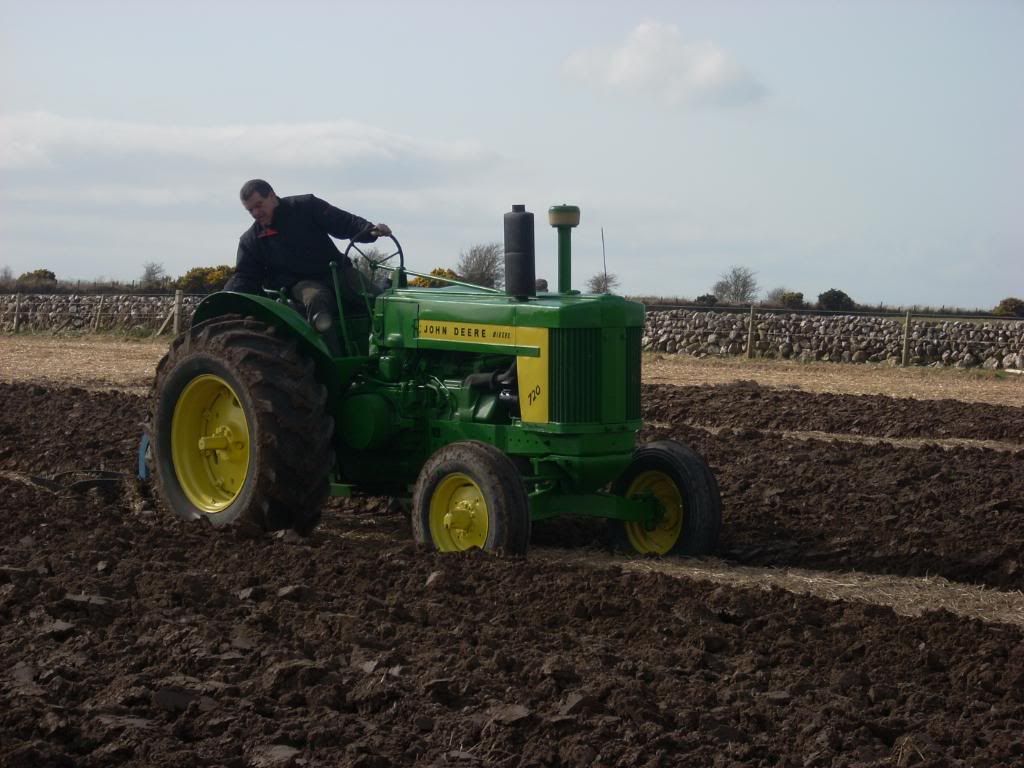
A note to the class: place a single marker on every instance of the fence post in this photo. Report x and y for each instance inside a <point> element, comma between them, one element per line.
<point>99,312</point>
<point>17,309</point>
<point>177,312</point>
<point>750,335</point>
<point>906,340</point>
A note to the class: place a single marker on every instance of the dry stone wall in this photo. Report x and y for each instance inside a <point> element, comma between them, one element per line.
<point>839,338</point>
<point>71,313</point>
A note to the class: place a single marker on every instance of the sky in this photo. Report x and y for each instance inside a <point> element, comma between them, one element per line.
<point>872,147</point>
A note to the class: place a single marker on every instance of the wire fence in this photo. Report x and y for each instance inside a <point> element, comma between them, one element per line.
<point>900,338</point>
<point>135,314</point>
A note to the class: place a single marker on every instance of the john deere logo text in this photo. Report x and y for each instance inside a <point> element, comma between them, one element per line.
<point>484,334</point>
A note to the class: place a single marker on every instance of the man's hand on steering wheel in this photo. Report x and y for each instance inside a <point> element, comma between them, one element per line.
<point>380,230</point>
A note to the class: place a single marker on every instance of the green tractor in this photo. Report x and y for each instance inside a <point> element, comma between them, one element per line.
<point>480,410</point>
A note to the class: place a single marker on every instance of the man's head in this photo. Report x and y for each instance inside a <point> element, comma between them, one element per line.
<point>259,200</point>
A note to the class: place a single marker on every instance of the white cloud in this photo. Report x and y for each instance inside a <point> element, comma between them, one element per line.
<point>654,59</point>
<point>41,140</point>
<point>142,195</point>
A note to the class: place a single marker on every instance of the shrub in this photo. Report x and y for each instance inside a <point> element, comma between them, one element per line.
<point>1009,307</point>
<point>782,297</point>
<point>426,282</point>
<point>38,280</point>
<point>204,279</point>
<point>836,301</point>
<point>793,300</point>
<point>707,300</point>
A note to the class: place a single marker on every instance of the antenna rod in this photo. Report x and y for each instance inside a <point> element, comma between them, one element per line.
<point>604,259</point>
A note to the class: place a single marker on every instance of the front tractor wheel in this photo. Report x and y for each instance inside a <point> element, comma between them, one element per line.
<point>239,429</point>
<point>687,492</point>
<point>468,495</point>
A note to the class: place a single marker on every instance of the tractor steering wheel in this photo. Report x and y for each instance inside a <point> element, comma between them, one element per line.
<point>379,262</point>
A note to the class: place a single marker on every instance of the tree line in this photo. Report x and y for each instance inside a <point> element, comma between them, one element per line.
<point>154,279</point>
<point>482,264</point>
<point>738,286</point>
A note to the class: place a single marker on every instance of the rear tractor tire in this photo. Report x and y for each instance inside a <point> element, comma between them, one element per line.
<point>239,428</point>
<point>470,494</point>
<point>686,489</point>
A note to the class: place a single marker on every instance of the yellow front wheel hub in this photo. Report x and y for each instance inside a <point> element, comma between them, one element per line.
<point>660,539</point>
<point>458,514</point>
<point>210,443</point>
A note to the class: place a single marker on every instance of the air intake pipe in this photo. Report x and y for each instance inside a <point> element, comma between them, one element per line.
<point>520,254</point>
<point>564,218</point>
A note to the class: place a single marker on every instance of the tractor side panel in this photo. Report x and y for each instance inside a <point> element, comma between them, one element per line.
<point>534,375</point>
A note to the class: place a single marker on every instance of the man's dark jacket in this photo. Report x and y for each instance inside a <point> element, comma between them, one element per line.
<point>296,246</point>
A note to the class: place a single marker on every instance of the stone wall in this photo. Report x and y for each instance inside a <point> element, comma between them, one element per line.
<point>71,313</point>
<point>839,338</point>
<point>777,334</point>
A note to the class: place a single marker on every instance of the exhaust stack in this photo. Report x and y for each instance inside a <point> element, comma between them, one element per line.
<point>520,254</point>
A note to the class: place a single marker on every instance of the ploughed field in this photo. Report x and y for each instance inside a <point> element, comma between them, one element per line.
<point>130,638</point>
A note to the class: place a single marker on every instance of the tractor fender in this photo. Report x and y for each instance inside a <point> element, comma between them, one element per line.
<point>283,317</point>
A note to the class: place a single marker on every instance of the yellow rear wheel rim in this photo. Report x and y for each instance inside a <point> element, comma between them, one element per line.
<point>210,443</point>
<point>660,539</point>
<point>459,518</point>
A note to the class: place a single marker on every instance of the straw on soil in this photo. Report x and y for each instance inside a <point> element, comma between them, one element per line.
<point>905,595</point>
<point>969,385</point>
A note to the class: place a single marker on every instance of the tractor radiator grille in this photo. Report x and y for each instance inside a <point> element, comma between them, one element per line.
<point>633,344</point>
<point>575,371</point>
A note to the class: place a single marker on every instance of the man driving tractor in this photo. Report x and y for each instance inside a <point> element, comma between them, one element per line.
<point>289,247</point>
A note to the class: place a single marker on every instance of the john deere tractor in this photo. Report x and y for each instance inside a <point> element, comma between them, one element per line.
<point>481,410</point>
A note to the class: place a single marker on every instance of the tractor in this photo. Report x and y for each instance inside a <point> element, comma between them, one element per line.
<point>479,410</point>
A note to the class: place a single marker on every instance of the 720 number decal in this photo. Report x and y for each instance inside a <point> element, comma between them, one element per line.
<point>533,395</point>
